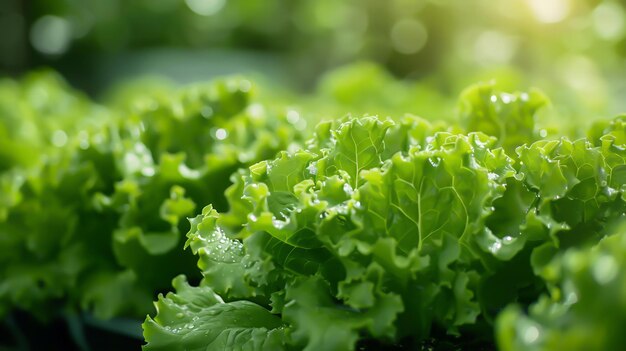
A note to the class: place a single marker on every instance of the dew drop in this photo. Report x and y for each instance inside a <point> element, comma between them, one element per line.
<point>293,116</point>
<point>221,134</point>
<point>571,299</point>
<point>347,189</point>
<point>506,98</point>
<point>434,161</point>
<point>59,138</point>
<point>531,334</point>
<point>605,269</point>
<point>495,247</point>
<point>206,112</point>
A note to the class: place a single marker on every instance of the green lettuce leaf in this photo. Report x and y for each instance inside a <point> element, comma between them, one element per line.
<point>195,318</point>
<point>508,117</point>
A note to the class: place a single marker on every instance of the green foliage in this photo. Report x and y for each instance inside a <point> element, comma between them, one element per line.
<point>509,117</point>
<point>373,233</point>
<point>389,231</point>
<point>103,200</point>
<point>585,308</point>
<point>199,317</point>
<point>356,89</point>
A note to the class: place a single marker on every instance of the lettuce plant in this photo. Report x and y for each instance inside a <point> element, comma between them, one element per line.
<point>382,233</point>
<point>86,219</point>
<point>375,233</point>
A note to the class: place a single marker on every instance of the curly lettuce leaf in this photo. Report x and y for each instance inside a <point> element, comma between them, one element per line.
<point>578,187</point>
<point>614,129</point>
<point>195,318</point>
<point>322,324</point>
<point>508,117</point>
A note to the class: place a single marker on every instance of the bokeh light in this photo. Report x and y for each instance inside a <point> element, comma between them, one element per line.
<point>550,11</point>
<point>205,7</point>
<point>444,44</point>
<point>408,36</point>
<point>51,35</point>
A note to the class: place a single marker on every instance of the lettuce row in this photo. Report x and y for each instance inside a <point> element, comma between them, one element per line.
<point>374,232</point>
<point>84,223</point>
<point>37,115</point>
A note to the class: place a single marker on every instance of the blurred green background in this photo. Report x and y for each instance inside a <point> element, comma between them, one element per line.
<point>572,49</point>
